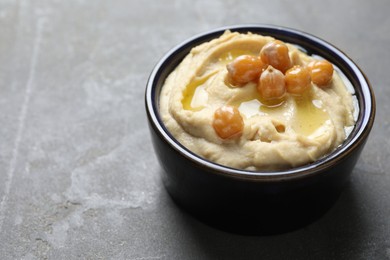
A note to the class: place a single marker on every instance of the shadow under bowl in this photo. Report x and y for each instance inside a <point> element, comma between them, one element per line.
<point>257,202</point>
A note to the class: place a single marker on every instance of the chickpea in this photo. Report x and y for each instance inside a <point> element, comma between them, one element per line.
<point>321,72</point>
<point>244,69</point>
<point>275,53</point>
<point>271,86</point>
<point>228,122</point>
<point>297,80</point>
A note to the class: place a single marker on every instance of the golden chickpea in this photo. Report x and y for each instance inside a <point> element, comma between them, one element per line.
<point>321,72</point>
<point>297,80</point>
<point>244,69</point>
<point>228,122</point>
<point>271,85</point>
<point>275,53</point>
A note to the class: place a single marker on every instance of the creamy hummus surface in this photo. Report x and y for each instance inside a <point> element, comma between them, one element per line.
<point>298,131</point>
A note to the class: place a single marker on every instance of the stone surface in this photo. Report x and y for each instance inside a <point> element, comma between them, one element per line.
<point>78,177</point>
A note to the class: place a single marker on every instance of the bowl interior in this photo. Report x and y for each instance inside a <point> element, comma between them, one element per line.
<point>308,43</point>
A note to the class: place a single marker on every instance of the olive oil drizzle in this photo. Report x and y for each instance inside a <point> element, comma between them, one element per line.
<point>304,118</point>
<point>308,117</point>
<point>190,89</point>
<point>188,93</point>
<point>229,56</point>
<point>299,112</point>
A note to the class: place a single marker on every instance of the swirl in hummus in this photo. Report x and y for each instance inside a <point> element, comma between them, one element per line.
<point>298,131</point>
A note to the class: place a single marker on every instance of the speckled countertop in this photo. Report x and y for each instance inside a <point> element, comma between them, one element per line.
<point>78,177</point>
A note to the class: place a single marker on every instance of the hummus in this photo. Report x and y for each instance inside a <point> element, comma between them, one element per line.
<point>299,131</point>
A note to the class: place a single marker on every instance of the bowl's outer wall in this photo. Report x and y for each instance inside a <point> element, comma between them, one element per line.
<point>255,205</point>
<point>225,200</point>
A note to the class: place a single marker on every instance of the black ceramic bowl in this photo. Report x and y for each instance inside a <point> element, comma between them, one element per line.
<point>257,202</point>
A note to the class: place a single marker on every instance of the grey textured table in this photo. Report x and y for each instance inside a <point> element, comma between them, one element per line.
<point>78,176</point>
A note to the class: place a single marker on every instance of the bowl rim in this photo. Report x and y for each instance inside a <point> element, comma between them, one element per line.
<point>366,115</point>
